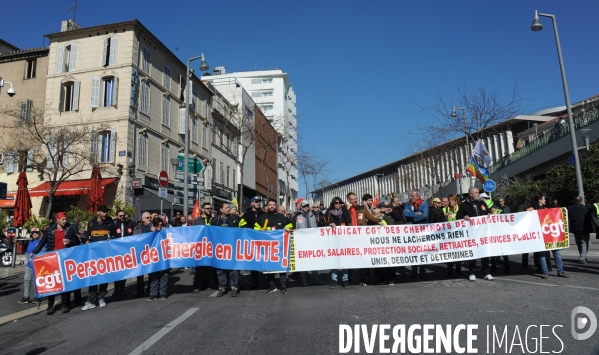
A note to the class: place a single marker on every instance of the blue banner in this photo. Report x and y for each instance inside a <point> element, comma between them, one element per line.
<point>118,259</point>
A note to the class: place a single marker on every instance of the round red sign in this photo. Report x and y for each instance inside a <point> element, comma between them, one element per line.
<point>163,178</point>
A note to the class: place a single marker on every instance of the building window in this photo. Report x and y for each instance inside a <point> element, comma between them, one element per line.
<point>166,111</point>
<point>214,170</point>
<point>194,100</point>
<point>222,173</point>
<point>205,107</point>
<point>228,175</point>
<point>235,179</point>
<point>267,94</point>
<point>107,87</point>
<point>166,80</point>
<point>145,64</point>
<point>111,48</point>
<point>26,111</point>
<point>164,158</point>
<point>235,148</point>
<point>267,81</point>
<point>142,156</point>
<point>145,98</point>
<point>204,136</point>
<point>194,130</point>
<point>30,67</point>
<point>106,140</point>
<point>267,108</point>
<point>69,96</point>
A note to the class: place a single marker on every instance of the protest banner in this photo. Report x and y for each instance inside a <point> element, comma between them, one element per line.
<point>118,259</point>
<point>350,247</point>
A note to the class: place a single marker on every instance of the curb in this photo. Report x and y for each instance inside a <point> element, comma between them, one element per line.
<point>31,311</point>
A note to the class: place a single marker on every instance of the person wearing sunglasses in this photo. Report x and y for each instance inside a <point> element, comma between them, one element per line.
<point>205,217</point>
<point>205,277</point>
<point>121,227</point>
<point>308,219</point>
<point>248,220</point>
<point>144,227</point>
<point>338,215</point>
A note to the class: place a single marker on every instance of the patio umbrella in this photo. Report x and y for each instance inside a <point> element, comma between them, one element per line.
<point>95,198</point>
<point>22,201</point>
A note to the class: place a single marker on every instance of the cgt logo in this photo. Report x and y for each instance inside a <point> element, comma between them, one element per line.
<point>552,225</point>
<point>48,276</point>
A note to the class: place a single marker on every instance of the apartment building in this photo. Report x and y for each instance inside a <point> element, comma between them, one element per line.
<point>273,94</point>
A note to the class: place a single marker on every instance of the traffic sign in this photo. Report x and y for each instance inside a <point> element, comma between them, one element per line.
<point>162,192</point>
<point>163,178</point>
<point>489,185</point>
<point>136,182</point>
<point>194,165</point>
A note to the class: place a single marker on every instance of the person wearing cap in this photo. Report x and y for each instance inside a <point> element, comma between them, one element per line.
<point>57,236</point>
<point>204,276</point>
<point>248,220</point>
<point>307,219</point>
<point>98,230</point>
<point>435,214</point>
<point>35,239</point>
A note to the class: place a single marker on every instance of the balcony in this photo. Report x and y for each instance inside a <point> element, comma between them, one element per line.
<point>548,147</point>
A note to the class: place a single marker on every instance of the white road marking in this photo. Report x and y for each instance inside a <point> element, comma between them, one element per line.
<point>162,332</point>
<point>213,294</point>
<point>528,282</point>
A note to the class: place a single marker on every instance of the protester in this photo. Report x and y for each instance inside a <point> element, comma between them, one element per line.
<point>28,276</point>
<point>416,212</point>
<point>121,227</point>
<point>282,210</point>
<point>190,220</point>
<point>269,221</point>
<point>248,220</point>
<point>444,202</point>
<point>205,277</point>
<point>579,223</point>
<point>158,279</point>
<point>182,221</point>
<point>338,215</point>
<point>205,216</point>
<point>594,211</point>
<point>144,227</point>
<point>164,219</point>
<point>225,219</point>
<point>308,219</point>
<point>505,208</point>
<point>451,214</point>
<point>474,207</point>
<point>435,214</point>
<point>397,211</point>
<point>98,230</point>
<point>57,236</point>
<point>539,203</point>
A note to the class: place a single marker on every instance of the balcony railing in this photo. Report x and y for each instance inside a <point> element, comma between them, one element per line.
<point>580,120</point>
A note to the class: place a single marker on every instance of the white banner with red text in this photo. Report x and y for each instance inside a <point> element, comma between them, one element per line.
<point>348,247</point>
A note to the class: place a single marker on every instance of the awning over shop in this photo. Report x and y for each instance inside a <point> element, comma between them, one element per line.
<point>9,202</point>
<point>67,188</point>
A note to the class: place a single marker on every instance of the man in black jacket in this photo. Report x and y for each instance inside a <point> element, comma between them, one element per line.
<point>248,220</point>
<point>144,227</point>
<point>121,227</point>
<point>204,276</point>
<point>579,224</point>
<point>474,206</point>
<point>272,220</point>
<point>98,230</point>
<point>58,236</point>
<point>226,220</point>
<point>397,211</point>
<point>205,217</point>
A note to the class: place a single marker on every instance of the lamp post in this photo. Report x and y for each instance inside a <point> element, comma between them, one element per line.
<point>203,67</point>
<point>454,114</point>
<point>537,26</point>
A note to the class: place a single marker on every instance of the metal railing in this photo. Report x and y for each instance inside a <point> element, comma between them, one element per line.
<point>561,130</point>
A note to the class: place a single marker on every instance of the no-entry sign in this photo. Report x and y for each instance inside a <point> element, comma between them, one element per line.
<point>163,178</point>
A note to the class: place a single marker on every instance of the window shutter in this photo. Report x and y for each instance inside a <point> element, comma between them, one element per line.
<point>73,57</point>
<point>95,96</point>
<point>29,160</point>
<point>59,59</point>
<point>114,48</point>
<point>23,112</point>
<point>51,153</point>
<point>112,146</point>
<point>94,147</point>
<point>29,110</point>
<point>10,163</point>
<point>66,148</point>
<point>105,53</point>
<point>115,85</point>
<point>75,98</point>
<point>182,120</point>
<point>61,100</point>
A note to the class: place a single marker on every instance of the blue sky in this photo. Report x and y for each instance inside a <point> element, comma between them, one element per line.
<point>360,69</point>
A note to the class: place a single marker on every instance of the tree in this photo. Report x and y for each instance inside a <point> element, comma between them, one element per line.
<point>313,168</point>
<point>58,152</point>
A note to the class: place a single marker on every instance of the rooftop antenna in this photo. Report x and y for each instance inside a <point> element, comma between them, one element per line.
<point>74,8</point>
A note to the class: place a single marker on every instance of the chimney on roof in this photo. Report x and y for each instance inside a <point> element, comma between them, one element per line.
<point>69,25</point>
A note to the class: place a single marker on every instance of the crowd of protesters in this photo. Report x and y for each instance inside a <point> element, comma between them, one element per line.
<point>352,212</point>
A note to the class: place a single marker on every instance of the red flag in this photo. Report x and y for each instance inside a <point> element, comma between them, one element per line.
<point>196,210</point>
<point>376,199</point>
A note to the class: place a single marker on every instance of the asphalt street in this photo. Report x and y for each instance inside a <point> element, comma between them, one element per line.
<point>307,319</point>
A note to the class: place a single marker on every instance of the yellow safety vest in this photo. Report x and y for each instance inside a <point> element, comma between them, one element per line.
<point>450,215</point>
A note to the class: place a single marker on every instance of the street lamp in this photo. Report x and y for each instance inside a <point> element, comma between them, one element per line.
<point>585,133</point>
<point>454,114</point>
<point>203,67</point>
<point>537,26</point>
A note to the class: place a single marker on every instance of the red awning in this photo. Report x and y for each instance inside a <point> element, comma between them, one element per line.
<point>9,202</point>
<point>67,188</point>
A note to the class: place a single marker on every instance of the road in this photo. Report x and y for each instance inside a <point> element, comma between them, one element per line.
<point>306,320</point>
